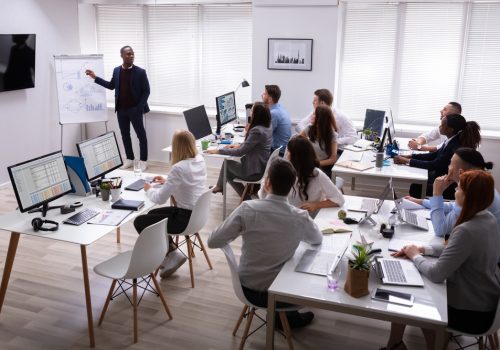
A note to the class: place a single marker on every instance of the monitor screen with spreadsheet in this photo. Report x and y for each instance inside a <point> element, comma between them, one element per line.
<point>39,181</point>
<point>101,155</point>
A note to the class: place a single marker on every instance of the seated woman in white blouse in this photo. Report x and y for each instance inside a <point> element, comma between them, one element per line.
<point>468,262</point>
<point>313,190</point>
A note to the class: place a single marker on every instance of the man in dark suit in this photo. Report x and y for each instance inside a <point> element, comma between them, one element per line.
<point>131,87</point>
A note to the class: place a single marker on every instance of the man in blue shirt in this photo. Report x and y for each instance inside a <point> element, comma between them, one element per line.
<point>280,120</point>
<point>444,215</point>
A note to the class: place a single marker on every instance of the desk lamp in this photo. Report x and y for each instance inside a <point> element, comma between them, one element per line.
<point>244,84</point>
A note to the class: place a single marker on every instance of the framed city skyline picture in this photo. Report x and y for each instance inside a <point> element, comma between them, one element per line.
<point>289,54</point>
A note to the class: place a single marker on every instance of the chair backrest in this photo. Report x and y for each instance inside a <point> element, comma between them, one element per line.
<point>199,215</point>
<point>374,120</point>
<point>273,155</point>
<point>149,250</point>
<point>235,278</point>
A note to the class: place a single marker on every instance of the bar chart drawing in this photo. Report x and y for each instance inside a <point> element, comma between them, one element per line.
<point>80,99</point>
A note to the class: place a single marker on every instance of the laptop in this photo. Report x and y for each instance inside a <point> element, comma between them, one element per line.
<point>316,261</point>
<point>409,217</point>
<point>373,204</point>
<point>398,272</point>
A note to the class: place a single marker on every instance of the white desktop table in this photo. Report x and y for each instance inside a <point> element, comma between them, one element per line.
<point>217,161</point>
<point>430,305</point>
<point>20,223</point>
<point>401,173</point>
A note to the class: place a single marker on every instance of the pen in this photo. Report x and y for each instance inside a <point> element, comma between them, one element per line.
<point>357,146</point>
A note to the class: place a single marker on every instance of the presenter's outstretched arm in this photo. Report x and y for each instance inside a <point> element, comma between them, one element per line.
<point>90,73</point>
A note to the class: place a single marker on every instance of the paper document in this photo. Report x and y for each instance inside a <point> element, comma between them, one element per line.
<point>110,217</point>
<point>332,226</point>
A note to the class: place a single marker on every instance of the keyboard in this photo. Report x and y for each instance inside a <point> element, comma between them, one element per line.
<point>411,218</point>
<point>394,271</point>
<point>82,216</point>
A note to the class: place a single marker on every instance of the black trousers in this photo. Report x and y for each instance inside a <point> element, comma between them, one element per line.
<point>416,189</point>
<point>467,321</point>
<point>177,222</point>
<point>125,117</point>
<point>235,170</point>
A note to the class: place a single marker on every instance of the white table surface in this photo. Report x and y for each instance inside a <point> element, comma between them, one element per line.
<point>430,305</point>
<point>85,234</point>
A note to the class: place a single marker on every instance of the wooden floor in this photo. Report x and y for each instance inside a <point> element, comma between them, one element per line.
<point>45,306</point>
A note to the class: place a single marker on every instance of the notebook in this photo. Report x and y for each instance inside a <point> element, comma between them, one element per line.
<point>398,272</point>
<point>136,185</point>
<point>355,165</point>
<point>332,226</point>
<point>127,204</point>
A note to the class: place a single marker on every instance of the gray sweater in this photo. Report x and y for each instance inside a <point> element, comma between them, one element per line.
<point>469,264</point>
<point>255,149</point>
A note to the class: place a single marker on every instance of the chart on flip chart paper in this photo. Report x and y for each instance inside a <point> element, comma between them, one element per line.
<point>80,99</point>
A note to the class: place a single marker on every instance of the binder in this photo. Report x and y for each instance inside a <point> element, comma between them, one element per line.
<point>127,204</point>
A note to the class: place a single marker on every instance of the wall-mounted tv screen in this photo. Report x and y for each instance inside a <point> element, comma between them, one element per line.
<point>17,61</point>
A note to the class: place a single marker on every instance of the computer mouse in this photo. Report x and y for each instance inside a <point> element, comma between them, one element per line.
<point>350,221</point>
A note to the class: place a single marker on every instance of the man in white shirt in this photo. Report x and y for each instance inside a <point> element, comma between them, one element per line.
<point>271,230</point>
<point>421,142</point>
<point>346,132</point>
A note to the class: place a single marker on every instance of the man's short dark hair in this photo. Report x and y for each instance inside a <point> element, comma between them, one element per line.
<point>456,106</point>
<point>324,95</point>
<point>274,91</point>
<point>282,176</point>
<point>125,47</point>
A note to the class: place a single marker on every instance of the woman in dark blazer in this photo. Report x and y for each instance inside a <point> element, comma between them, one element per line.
<point>255,151</point>
<point>459,133</point>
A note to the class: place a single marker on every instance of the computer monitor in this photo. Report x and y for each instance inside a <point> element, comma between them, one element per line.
<point>226,108</point>
<point>197,122</point>
<point>374,120</point>
<point>390,124</point>
<point>101,155</point>
<point>39,181</point>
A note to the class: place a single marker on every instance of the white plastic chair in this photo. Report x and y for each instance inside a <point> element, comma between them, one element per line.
<point>249,314</point>
<point>491,334</point>
<point>148,252</point>
<point>339,182</point>
<point>198,219</point>
<point>250,184</point>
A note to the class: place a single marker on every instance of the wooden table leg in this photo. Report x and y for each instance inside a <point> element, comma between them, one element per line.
<point>88,301</point>
<point>224,190</point>
<point>9,261</point>
<point>118,234</point>
<point>271,306</point>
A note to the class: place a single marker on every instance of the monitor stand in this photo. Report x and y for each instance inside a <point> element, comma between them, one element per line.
<point>45,207</point>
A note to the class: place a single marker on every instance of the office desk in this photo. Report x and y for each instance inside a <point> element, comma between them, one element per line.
<point>400,173</point>
<point>430,305</point>
<point>20,223</point>
<point>217,161</point>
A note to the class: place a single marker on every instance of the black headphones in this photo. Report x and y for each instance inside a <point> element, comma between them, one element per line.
<point>37,224</point>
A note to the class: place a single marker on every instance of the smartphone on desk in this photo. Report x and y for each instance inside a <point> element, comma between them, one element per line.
<point>391,296</point>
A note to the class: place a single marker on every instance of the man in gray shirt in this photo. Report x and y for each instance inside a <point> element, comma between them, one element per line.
<point>271,230</point>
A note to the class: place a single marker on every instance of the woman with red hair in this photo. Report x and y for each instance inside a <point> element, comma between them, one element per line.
<point>468,262</point>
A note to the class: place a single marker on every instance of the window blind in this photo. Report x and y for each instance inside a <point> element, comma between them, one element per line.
<point>367,61</point>
<point>481,84</point>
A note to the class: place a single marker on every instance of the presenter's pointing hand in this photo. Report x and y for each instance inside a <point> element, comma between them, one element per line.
<point>90,73</point>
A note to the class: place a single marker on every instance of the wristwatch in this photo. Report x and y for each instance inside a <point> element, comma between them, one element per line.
<point>419,147</point>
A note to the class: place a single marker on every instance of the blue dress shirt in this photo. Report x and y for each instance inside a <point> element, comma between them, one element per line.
<point>282,126</point>
<point>444,215</point>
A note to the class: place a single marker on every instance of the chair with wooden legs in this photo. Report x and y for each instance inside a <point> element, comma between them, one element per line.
<point>138,263</point>
<point>199,217</point>
<point>490,335</point>
<point>249,310</point>
<point>249,185</point>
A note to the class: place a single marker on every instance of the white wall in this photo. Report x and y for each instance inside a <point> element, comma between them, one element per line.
<point>317,22</point>
<point>30,121</point>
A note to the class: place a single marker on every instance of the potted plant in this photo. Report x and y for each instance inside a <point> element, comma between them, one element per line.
<point>358,271</point>
<point>105,188</point>
<point>369,134</point>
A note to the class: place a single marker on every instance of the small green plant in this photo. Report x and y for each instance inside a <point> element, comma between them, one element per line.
<point>105,185</point>
<point>360,258</point>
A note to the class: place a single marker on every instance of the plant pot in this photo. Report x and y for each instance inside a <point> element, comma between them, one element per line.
<point>356,283</point>
<point>105,194</point>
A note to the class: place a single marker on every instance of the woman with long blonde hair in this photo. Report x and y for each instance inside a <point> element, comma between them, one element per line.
<point>186,183</point>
